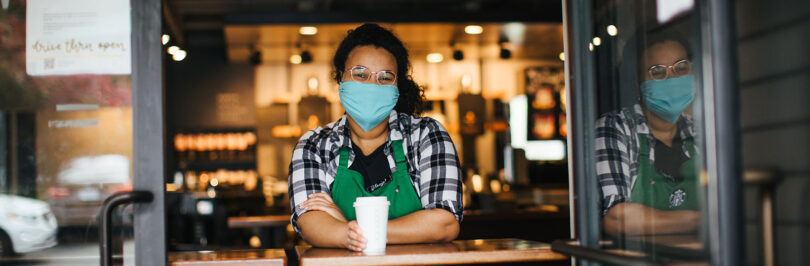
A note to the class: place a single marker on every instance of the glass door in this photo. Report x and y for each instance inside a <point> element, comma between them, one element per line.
<point>655,171</point>
<point>80,120</point>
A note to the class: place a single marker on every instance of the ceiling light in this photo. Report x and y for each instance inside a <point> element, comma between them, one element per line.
<point>173,49</point>
<point>562,56</point>
<point>179,55</point>
<point>295,59</point>
<point>612,30</point>
<point>473,29</point>
<point>597,41</point>
<point>478,183</point>
<point>435,57</point>
<point>165,39</point>
<point>514,32</point>
<point>466,81</point>
<point>590,47</point>
<point>308,30</point>
<point>312,84</point>
<point>458,55</point>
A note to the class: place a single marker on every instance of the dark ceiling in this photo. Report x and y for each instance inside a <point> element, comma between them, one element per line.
<point>204,20</point>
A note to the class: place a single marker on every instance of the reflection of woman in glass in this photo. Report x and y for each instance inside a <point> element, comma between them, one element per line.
<point>646,154</point>
<point>379,148</point>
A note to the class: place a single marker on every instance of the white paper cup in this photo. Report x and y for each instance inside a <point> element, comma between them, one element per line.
<point>372,216</point>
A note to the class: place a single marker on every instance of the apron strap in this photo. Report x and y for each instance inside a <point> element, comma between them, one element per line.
<point>643,142</point>
<point>344,158</point>
<point>690,147</point>
<point>399,155</point>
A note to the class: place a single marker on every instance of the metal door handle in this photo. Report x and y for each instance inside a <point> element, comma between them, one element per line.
<point>105,218</point>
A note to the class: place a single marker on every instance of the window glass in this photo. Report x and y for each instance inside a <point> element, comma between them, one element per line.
<point>65,135</point>
<point>647,145</point>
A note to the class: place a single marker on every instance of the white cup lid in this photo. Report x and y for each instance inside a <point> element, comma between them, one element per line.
<point>378,200</point>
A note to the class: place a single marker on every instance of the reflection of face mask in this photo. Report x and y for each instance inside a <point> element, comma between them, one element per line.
<point>368,103</point>
<point>669,97</point>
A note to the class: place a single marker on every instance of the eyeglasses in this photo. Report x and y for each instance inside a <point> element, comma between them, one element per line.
<point>680,68</point>
<point>362,74</point>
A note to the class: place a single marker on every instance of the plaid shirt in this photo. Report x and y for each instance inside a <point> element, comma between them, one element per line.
<point>431,156</point>
<point>617,153</point>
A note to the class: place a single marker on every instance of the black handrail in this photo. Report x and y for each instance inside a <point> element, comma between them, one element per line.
<point>105,218</point>
<point>592,254</point>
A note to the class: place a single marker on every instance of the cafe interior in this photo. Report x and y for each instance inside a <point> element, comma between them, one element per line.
<point>199,135</point>
<point>240,104</point>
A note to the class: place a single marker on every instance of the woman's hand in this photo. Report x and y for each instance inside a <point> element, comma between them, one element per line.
<point>323,202</point>
<point>355,241</point>
<point>628,218</point>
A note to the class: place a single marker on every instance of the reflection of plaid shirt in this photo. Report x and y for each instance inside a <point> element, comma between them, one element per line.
<point>431,156</point>
<point>617,151</point>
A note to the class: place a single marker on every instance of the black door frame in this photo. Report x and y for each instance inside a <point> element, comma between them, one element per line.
<point>148,132</point>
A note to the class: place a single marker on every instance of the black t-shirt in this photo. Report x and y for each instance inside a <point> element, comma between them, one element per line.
<point>668,160</point>
<point>374,167</point>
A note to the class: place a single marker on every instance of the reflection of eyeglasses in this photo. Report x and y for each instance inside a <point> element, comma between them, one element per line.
<point>680,68</point>
<point>362,74</point>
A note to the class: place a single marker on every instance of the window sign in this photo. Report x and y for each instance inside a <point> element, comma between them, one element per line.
<point>77,37</point>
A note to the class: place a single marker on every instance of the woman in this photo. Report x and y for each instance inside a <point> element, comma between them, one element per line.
<point>646,154</point>
<point>380,148</point>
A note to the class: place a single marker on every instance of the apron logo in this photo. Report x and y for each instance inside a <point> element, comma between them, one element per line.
<point>677,198</point>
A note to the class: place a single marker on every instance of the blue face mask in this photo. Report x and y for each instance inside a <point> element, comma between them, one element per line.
<point>368,103</point>
<point>669,97</point>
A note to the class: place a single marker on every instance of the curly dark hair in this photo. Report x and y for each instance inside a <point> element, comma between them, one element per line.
<point>411,96</point>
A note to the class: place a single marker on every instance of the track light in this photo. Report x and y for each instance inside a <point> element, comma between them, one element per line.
<point>306,57</point>
<point>458,55</point>
<point>255,57</point>
<point>505,53</point>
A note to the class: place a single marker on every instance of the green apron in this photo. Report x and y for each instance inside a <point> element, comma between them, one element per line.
<point>654,190</point>
<point>349,184</point>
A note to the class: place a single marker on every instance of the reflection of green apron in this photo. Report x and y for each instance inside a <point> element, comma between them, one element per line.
<point>349,184</point>
<point>654,190</point>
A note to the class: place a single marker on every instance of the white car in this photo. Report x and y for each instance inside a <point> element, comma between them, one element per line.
<point>25,225</point>
<point>77,192</point>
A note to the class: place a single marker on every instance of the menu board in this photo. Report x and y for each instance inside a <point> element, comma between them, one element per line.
<point>545,90</point>
<point>77,37</point>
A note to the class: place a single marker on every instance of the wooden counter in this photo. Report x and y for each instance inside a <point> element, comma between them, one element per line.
<point>259,221</point>
<point>456,252</point>
<point>264,257</point>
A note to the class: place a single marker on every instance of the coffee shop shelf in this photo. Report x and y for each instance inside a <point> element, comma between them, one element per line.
<point>216,165</point>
